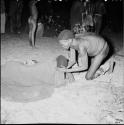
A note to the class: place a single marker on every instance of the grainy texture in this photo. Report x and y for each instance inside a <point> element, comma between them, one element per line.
<point>97,101</point>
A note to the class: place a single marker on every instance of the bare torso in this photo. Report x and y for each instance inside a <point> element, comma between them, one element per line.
<point>87,44</point>
<point>33,10</point>
<point>92,44</point>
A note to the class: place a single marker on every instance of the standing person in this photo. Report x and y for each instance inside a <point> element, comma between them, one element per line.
<point>32,21</point>
<point>20,5</point>
<point>87,45</point>
<point>76,16</point>
<point>3,16</point>
<point>87,15</point>
<point>12,15</point>
<point>15,13</point>
<point>99,13</point>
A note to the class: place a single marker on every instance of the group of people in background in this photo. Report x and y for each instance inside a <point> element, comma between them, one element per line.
<point>84,15</point>
<point>15,14</point>
<point>87,16</point>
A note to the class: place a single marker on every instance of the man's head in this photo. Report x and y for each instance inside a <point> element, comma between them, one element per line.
<point>65,38</point>
<point>65,43</point>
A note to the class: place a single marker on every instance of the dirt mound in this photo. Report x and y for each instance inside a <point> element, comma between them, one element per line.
<point>22,82</point>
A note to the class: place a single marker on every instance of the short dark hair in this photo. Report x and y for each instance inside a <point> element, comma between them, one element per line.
<point>65,34</point>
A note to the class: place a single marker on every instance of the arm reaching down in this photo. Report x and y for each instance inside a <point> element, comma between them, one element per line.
<point>76,69</point>
<point>72,58</point>
<point>83,65</point>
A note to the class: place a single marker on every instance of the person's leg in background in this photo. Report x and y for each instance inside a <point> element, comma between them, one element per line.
<point>98,23</point>
<point>19,15</point>
<point>3,16</point>
<point>12,15</point>
<point>3,21</point>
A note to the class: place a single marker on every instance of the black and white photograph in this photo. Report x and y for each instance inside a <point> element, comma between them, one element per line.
<point>62,61</point>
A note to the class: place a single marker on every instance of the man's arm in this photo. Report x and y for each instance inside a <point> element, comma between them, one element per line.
<point>76,69</point>
<point>83,65</point>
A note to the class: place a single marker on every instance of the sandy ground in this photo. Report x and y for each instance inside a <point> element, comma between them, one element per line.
<point>28,92</point>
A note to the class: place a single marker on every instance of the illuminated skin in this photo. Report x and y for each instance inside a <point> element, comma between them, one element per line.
<point>86,45</point>
<point>32,21</point>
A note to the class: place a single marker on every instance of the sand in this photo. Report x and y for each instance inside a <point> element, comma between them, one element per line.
<point>29,94</point>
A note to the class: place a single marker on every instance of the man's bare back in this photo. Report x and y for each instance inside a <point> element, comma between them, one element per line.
<point>92,43</point>
<point>95,47</point>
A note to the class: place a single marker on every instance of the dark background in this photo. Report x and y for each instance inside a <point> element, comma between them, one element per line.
<point>112,20</point>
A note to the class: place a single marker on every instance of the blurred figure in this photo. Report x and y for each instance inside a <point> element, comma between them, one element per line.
<point>98,15</point>
<point>76,15</point>
<point>19,14</point>
<point>3,16</point>
<point>15,13</point>
<point>82,16</point>
<point>87,15</point>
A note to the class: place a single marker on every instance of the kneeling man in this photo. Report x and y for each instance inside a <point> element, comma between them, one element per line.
<point>88,44</point>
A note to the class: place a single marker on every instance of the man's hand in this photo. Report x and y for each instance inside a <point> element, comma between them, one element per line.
<point>62,69</point>
<point>99,72</point>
